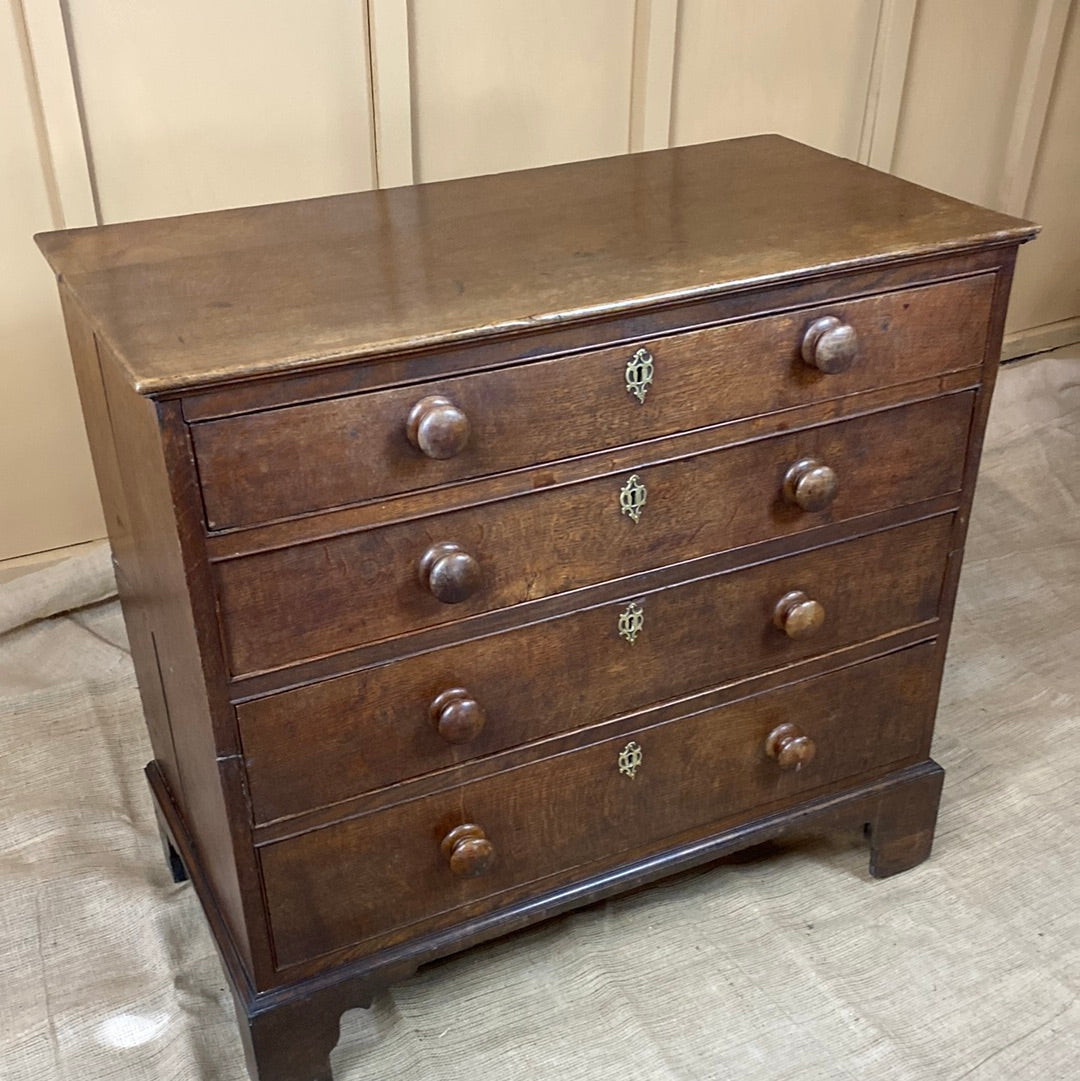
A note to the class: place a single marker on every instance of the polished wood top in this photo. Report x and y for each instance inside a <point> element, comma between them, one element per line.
<point>208,298</point>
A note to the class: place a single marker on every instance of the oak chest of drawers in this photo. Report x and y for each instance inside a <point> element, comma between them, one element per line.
<point>490,547</point>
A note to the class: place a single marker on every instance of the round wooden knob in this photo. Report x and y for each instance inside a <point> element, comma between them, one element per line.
<point>797,615</point>
<point>449,572</point>
<point>469,851</point>
<point>830,344</point>
<point>457,716</point>
<point>790,747</point>
<point>437,427</point>
<point>810,484</point>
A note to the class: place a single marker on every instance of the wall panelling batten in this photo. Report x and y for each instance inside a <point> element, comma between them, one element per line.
<point>655,26</point>
<point>885,93</point>
<point>1032,101</point>
<point>391,91</point>
<point>65,162</point>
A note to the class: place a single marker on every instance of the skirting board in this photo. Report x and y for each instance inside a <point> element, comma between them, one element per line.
<point>1023,343</point>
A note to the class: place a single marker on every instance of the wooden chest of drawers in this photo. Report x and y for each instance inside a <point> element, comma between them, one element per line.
<point>490,547</point>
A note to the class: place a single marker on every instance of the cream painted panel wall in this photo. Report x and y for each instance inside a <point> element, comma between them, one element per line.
<point>499,85</point>
<point>214,103</point>
<point>187,107</point>
<point>959,96</point>
<point>800,69</point>
<point>1047,289</point>
<point>47,493</point>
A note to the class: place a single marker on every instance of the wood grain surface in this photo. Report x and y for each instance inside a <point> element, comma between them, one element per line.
<point>367,877</point>
<point>439,628</point>
<point>290,461</point>
<point>341,737</point>
<point>595,330</point>
<point>210,298</point>
<point>173,644</point>
<point>299,602</point>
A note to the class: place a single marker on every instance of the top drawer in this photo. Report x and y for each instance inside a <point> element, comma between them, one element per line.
<point>304,458</point>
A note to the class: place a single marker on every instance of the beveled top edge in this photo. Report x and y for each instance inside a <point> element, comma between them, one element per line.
<point>204,299</point>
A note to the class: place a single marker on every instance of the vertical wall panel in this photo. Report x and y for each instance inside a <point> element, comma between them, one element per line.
<point>656,25</point>
<point>1047,289</point>
<point>500,86</point>
<point>213,103</point>
<point>47,493</point>
<point>800,69</point>
<point>61,125</point>
<point>886,91</point>
<point>391,92</point>
<point>959,96</point>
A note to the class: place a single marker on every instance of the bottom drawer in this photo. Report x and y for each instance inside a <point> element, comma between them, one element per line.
<point>368,878</point>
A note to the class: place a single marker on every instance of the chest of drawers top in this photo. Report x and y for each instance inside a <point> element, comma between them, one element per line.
<point>208,299</point>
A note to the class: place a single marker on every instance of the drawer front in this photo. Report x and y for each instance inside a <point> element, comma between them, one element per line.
<point>317,598</point>
<point>333,740</point>
<point>366,878</point>
<point>299,459</point>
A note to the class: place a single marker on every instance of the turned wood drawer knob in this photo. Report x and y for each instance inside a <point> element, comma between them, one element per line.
<point>449,572</point>
<point>810,484</point>
<point>830,344</point>
<point>790,746</point>
<point>797,615</point>
<point>469,851</point>
<point>437,427</point>
<point>457,716</point>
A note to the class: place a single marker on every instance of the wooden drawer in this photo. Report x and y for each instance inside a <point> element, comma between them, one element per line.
<point>330,741</point>
<point>312,599</point>
<point>302,458</point>
<point>367,877</point>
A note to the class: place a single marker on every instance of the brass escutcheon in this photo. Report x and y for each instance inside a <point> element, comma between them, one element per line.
<point>630,759</point>
<point>639,374</point>
<point>632,498</point>
<point>631,622</point>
